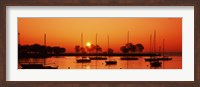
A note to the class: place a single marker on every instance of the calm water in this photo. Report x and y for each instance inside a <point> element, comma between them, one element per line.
<point>69,62</point>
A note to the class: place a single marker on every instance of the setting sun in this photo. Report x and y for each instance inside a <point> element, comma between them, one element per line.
<point>88,44</point>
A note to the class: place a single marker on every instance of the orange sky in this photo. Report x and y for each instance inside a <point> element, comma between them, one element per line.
<point>66,32</point>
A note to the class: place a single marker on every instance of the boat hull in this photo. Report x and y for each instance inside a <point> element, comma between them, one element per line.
<point>164,58</point>
<point>110,62</point>
<point>37,66</point>
<point>83,60</point>
<point>155,64</point>
<point>127,58</point>
<point>151,59</point>
<point>98,58</point>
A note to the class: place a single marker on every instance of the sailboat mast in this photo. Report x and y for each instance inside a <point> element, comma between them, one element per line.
<point>96,49</point>
<point>154,41</point>
<point>128,37</point>
<point>108,41</point>
<point>163,50</point>
<point>82,46</point>
<point>45,39</point>
<point>45,46</point>
<point>108,48</point>
<point>163,46</point>
<point>150,43</point>
<point>18,38</point>
<point>96,42</point>
<point>159,49</point>
<point>81,40</point>
<point>127,43</point>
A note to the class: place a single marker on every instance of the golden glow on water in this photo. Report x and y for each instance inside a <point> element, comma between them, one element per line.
<point>87,67</point>
<point>70,63</point>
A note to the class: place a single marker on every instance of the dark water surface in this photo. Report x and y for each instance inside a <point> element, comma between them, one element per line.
<point>69,62</point>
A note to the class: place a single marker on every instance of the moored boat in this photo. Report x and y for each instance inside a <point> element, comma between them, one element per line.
<point>98,58</point>
<point>109,62</point>
<point>37,66</point>
<point>155,64</point>
<point>129,58</point>
<point>151,59</point>
<point>165,58</point>
<point>83,60</point>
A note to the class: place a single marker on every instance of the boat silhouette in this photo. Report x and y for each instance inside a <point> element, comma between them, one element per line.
<point>151,59</point>
<point>155,64</point>
<point>83,59</point>
<point>98,58</point>
<point>163,56</point>
<point>108,62</point>
<point>37,66</point>
<point>129,58</point>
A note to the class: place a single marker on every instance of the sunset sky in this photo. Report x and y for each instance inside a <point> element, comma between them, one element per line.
<point>66,32</point>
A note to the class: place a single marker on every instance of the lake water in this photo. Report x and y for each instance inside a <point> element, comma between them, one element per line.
<point>69,62</point>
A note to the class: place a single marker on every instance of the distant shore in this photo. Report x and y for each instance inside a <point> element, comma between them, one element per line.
<point>86,54</point>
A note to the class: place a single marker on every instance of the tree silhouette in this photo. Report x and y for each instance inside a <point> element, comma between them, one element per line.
<point>39,49</point>
<point>62,50</point>
<point>92,48</point>
<point>58,50</point>
<point>23,49</point>
<point>98,48</point>
<point>26,49</point>
<point>110,51</point>
<point>82,49</point>
<point>139,47</point>
<point>49,50</point>
<point>124,49</point>
<point>35,48</point>
<point>131,47</point>
<point>42,50</point>
<point>77,48</point>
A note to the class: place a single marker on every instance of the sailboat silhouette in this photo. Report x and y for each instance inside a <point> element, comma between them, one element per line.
<point>163,56</point>
<point>97,57</point>
<point>155,63</point>
<point>83,58</point>
<point>108,62</point>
